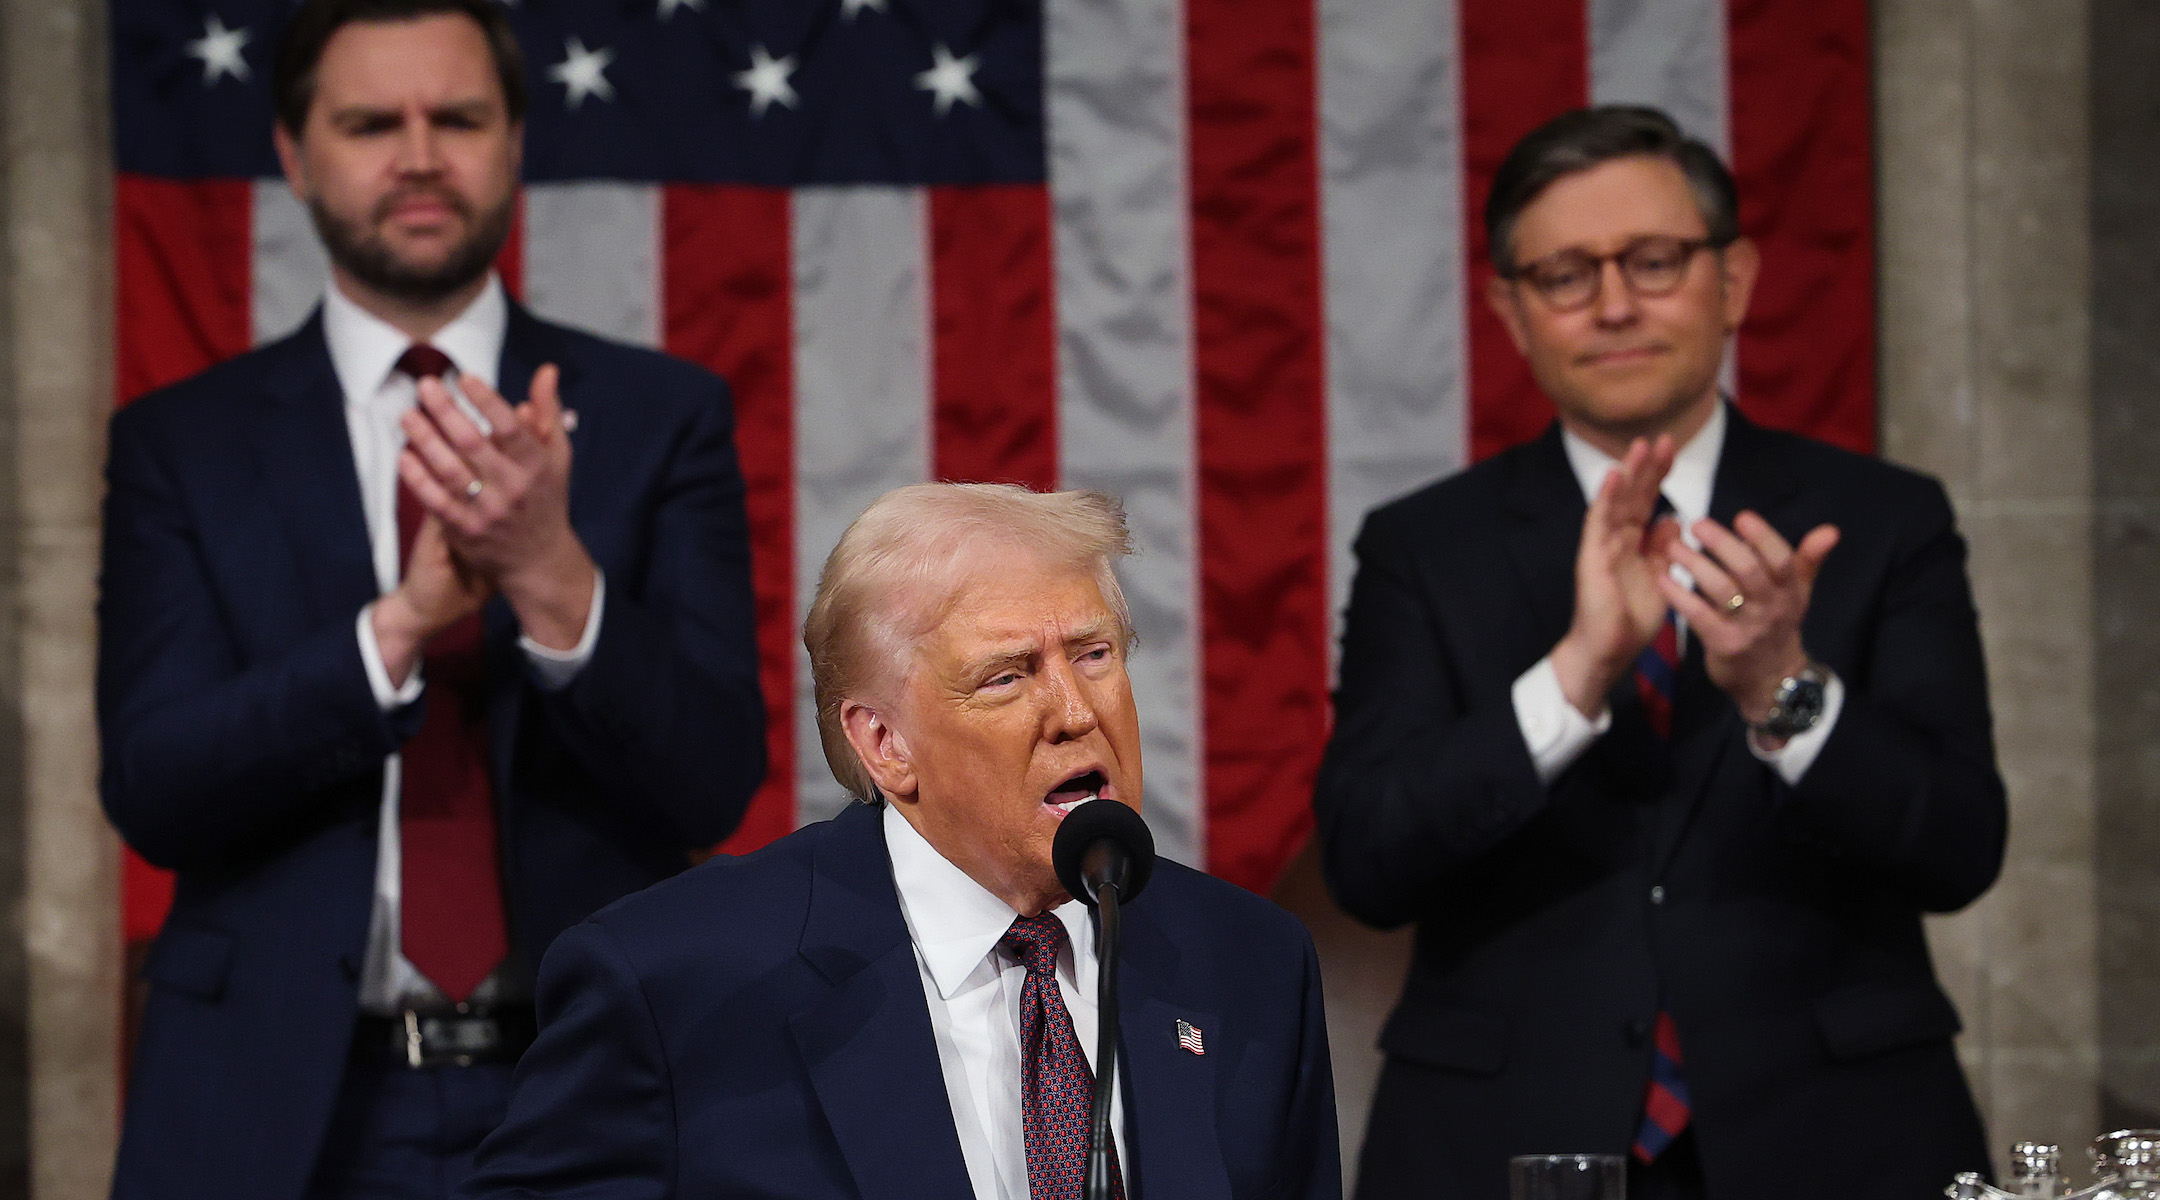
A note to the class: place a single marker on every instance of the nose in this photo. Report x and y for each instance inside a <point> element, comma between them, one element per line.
<point>1615,302</point>
<point>1068,708</point>
<point>417,152</point>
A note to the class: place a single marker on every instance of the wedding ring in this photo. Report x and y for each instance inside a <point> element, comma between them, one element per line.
<point>1733,605</point>
<point>474,488</point>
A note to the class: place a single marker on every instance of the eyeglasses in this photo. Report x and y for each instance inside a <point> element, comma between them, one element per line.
<point>1652,266</point>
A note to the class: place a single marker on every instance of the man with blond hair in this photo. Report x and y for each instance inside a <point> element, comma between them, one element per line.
<point>901,1001</point>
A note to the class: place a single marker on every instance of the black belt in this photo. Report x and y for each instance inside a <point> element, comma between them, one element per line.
<point>446,1039</point>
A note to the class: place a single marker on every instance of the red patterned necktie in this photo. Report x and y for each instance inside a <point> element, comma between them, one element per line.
<point>1055,1085</point>
<point>451,911</point>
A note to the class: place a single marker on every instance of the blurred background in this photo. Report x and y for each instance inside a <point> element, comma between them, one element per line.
<point>1219,257</point>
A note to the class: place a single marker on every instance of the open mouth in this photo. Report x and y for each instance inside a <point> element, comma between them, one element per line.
<point>1076,791</point>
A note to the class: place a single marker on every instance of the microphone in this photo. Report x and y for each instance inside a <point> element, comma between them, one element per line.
<point>1104,854</point>
<point>1103,843</point>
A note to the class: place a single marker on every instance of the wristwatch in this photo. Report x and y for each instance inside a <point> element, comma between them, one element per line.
<point>1796,706</point>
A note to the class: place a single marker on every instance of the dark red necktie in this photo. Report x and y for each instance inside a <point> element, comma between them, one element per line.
<point>451,910</point>
<point>1055,1085</point>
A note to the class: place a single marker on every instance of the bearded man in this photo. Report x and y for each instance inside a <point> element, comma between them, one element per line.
<point>400,677</point>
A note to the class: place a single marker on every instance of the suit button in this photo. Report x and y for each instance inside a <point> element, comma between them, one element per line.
<point>1657,894</point>
<point>1638,1032</point>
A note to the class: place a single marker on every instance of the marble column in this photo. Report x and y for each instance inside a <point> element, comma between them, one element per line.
<point>2125,296</point>
<point>55,389</point>
<point>1987,266</point>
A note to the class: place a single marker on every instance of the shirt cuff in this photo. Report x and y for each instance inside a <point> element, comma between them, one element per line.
<point>388,696</point>
<point>554,669</point>
<point>1555,731</point>
<point>1792,759</point>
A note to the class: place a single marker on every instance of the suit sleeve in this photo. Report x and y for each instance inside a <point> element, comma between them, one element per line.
<point>1312,1150</point>
<point>1425,770</point>
<point>668,715</point>
<point>1906,782</point>
<point>202,751</point>
<point>593,1112</point>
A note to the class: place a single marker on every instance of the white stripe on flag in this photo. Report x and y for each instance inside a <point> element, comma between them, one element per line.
<point>1115,92</point>
<point>1392,214</point>
<point>862,396</point>
<point>289,266</point>
<point>1667,53</point>
<point>592,255</point>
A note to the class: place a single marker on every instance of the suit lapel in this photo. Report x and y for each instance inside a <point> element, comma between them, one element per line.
<point>1169,1091</point>
<point>1545,501</point>
<point>1751,476</point>
<point>305,453</point>
<point>868,1046</point>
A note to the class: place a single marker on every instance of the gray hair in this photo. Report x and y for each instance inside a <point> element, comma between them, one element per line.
<point>890,581</point>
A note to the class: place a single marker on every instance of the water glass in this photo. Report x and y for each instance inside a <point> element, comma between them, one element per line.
<point>1567,1177</point>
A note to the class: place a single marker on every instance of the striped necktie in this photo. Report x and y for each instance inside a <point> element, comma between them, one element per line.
<point>1665,1097</point>
<point>1657,668</point>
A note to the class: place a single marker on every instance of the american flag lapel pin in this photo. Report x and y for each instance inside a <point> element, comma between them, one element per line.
<point>1188,1037</point>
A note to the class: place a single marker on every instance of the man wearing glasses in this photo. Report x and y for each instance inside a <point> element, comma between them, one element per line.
<point>1666,729</point>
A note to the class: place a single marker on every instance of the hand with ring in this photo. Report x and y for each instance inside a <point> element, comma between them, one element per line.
<point>1751,637</point>
<point>502,494</point>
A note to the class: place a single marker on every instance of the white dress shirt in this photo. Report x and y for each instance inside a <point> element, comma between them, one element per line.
<point>364,350</point>
<point>1555,731</point>
<point>973,989</point>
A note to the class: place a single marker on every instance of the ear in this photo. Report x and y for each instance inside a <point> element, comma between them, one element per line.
<point>288,153</point>
<point>1742,265</point>
<point>881,749</point>
<point>1500,297</point>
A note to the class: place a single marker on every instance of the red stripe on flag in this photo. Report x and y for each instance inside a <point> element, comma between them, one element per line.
<point>994,320</point>
<point>182,257</point>
<point>1522,64</point>
<point>1260,425</point>
<point>182,253</point>
<point>726,282</point>
<point>1803,158</point>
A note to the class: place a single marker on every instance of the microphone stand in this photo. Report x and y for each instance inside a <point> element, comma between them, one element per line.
<point>1106,1042</point>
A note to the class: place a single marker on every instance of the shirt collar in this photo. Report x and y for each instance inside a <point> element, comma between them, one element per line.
<point>955,922</point>
<point>364,348</point>
<point>1687,485</point>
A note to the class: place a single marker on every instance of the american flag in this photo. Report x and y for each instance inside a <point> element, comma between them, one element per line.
<point>1219,257</point>
<point>1188,1037</point>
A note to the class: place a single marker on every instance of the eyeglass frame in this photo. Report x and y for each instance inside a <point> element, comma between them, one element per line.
<point>1689,247</point>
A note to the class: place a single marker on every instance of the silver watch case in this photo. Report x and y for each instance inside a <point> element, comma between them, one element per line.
<point>1797,706</point>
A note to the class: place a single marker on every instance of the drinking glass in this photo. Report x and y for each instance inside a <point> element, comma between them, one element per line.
<point>1567,1177</point>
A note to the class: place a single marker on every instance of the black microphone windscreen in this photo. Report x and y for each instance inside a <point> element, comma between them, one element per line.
<point>1091,822</point>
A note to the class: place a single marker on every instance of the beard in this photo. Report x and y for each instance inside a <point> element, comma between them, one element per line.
<point>366,256</point>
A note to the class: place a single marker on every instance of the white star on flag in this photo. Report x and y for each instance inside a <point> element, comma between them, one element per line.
<point>668,7</point>
<point>950,79</point>
<point>583,72</point>
<point>219,50</point>
<point>848,8</point>
<point>767,81</point>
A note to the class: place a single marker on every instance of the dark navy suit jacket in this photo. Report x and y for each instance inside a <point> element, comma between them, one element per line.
<point>757,1027</point>
<point>1780,925</point>
<point>243,748</point>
